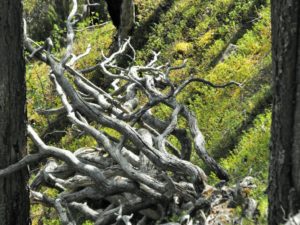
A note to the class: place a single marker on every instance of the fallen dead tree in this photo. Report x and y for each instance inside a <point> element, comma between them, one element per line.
<point>138,178</point>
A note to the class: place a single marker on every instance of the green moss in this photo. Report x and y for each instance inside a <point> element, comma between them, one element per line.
<point>183,47</point>
<point>51,221</point>
<point>99,39</point>
<point>74,140</point>
<point>221,112</point>
<point>29,5</point>
<point>251,158</point>
<point>40,213</point>
<point>88,222</point>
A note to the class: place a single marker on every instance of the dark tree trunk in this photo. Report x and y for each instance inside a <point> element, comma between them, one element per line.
<point>62,8</point>
<point>284,180</point>
<point>98,13</point>
<point>14,200</point>
<point>114,9</point>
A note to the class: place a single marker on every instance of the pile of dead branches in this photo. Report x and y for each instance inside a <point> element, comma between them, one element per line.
<point>139,177</point>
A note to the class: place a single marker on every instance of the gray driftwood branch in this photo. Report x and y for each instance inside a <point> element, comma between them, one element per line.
<point>136,175</point>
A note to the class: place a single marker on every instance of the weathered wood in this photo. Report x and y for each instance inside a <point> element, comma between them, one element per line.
<point>132,168</point>
<point>294,220</point>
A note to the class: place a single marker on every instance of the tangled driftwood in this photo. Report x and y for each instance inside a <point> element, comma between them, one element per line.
<point>138,178</point>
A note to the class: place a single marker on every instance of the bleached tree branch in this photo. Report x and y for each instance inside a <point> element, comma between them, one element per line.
<point>135,171</point>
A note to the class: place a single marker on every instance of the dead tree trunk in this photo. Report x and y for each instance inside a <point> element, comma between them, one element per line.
<point>122,13</point>
<point>284,180</point>
<point>127,20</point>
<point>14,199</point>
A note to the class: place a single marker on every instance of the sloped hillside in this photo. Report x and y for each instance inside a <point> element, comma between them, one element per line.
<point>222,41</point>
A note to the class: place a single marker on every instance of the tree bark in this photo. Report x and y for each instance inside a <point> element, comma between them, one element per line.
<point>14,199</point>
<point>127,19</point>
<point>62,8</point>
<point>284,179</point>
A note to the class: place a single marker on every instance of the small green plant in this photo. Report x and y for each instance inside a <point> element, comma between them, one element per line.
<point>88,222</point>
<point>183,47</point>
